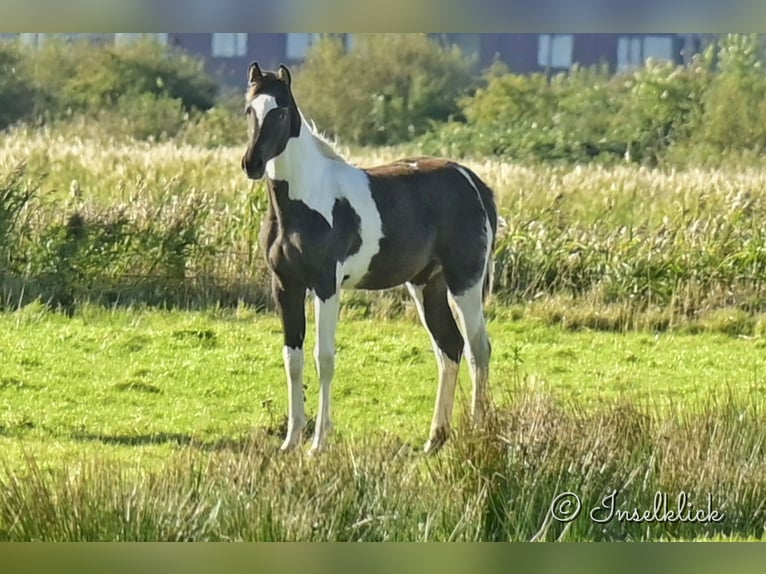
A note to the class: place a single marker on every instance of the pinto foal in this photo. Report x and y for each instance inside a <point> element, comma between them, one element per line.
<point>424,222</point>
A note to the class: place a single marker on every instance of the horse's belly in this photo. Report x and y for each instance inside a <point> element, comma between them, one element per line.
<point>385,269</point>
<point>354,269</point>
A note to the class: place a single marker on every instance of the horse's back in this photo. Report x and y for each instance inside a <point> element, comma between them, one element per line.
<point>433,211</point>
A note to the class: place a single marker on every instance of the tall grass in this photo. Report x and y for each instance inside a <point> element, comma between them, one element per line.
<point>118,222</point>
<point>496,485</point>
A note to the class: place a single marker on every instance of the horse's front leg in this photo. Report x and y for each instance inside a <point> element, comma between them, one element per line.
<point>291,301</point>
<point>326,306</point>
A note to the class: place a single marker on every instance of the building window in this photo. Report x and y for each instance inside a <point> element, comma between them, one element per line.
<point>228,45</point>
<point>31,39</point>
<point>633,51</point>
<point>122,39</point>
<point>555,50</point>
<point>298,45</point>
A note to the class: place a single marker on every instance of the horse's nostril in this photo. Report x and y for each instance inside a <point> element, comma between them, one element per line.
<point>253,168</point>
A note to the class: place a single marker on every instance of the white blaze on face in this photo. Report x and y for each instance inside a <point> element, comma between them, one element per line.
<point>262,104</point>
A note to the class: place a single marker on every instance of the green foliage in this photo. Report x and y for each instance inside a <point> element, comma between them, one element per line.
<point>15,193</point>
<point>197,456</point>
<point>17,90</point>
<point>658,113</point>
<point>142,89</point>
<point>83,77</point>
<point>387,89</point>
<point>394,88</point>
<point>221,125</point>
<point>734,114</point>
<point>147,116</point>
<point>160,250</point>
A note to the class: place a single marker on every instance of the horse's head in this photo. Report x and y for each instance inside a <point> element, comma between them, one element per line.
<point>272,117</point>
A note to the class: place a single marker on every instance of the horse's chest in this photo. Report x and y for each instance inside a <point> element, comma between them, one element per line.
<point>311,253</point>
<point>295,251</point>
<point>307,240</point>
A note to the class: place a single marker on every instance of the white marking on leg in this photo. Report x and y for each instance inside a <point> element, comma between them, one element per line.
<point>445,401</point>
<point>326,313</point>
<point>448,374</point>
<point>296,418</point>
<point>469,312</point>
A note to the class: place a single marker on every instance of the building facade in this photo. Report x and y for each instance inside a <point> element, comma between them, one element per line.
<point>226,55</point>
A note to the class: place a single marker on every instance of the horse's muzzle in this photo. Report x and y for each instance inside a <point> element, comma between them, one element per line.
<point>253,167</point>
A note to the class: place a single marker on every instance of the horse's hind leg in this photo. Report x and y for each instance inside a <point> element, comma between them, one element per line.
<point>468,307</point>
<point>433,308</point>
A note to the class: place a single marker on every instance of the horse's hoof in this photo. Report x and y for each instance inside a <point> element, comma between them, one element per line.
<point>287,447</point>
<point>436,442</point>
<point>317,448</point>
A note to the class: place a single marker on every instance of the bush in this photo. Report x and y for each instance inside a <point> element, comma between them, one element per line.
<point>387,89</point>
<point>17,92</point>
<point>221,125</point>
<point>568,116</point>
<point>148,117</point>
<point>734,107</point>
<point>86,77</point>
<point>660,112</point>
<point>56,81</point>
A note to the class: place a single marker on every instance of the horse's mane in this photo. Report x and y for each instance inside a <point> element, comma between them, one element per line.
<point>326,147</point>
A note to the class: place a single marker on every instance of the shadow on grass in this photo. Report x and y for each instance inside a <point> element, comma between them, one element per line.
<point>241,444</point>
<point>233,445</point>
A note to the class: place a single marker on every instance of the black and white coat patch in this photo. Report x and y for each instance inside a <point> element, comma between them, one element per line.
<point>424,222</point>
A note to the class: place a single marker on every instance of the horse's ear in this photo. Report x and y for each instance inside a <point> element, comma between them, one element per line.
<point>254,73</point>
<point>284,74</point>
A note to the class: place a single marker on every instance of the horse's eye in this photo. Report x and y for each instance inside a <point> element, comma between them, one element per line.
<point>248,110</point>
<point>282,113</point>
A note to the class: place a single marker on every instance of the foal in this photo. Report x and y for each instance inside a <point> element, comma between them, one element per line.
<point>424,222</point>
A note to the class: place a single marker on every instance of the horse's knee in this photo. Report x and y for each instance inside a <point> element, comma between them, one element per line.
<point>325,362</point>
<point>482,349</point>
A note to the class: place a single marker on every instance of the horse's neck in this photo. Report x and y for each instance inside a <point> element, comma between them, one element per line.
<point>308,171</point>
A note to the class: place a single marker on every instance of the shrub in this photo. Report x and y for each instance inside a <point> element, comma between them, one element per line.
<point>221,125</point>
<point>657,113</point>
<point>17,92</point>
<point>386,89</point>
<point>661,107</point>
<point>57,81</point>
<point>734,106</point>
<point>148,117</point>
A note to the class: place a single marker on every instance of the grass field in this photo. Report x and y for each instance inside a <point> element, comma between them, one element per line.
<point>123,377</point>
<point>177,416</point>
<point>142,391</point>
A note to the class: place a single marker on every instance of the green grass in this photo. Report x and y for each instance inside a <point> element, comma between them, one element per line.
<point>138,424</point>
<point>153,377</point>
